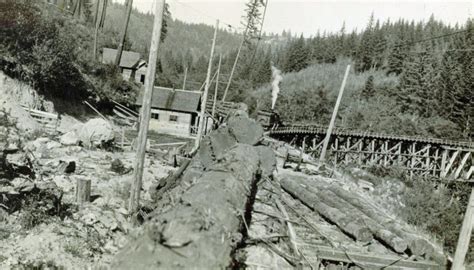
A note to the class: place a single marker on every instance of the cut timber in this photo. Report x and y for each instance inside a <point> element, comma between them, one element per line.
<point>291,231</point>
<point>83,191</point>
<point>417,245</point>
<point>370,261</point>
<point>392,240</point>
<point>344,221</point>
<point>203,229</point>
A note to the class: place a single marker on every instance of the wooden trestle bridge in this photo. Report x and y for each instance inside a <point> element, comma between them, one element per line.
<point>418,156</point>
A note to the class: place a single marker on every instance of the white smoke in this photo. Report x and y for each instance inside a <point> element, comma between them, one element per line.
<point>276,77</point>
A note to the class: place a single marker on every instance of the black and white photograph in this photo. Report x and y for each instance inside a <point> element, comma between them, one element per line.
<point>236,134</point>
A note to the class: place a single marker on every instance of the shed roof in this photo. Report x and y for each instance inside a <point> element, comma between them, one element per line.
<point>173,100</point>
<point>129,59</point>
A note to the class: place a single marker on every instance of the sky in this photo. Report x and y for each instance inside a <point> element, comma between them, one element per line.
<point>309,16</point>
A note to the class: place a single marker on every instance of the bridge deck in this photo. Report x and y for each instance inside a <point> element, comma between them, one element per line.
<point>316,129</point>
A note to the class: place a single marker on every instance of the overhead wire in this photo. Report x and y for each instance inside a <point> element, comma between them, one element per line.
<point>230,26</point>
<point>433,38</point>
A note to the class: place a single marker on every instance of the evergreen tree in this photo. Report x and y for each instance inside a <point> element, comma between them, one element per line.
<point>369,88</point>
<point>396,58</point>
<point>262,72</point>
<point>297,56</point>
<point>364,55</point>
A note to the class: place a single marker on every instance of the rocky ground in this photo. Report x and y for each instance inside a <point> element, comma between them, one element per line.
<point>40,223</point>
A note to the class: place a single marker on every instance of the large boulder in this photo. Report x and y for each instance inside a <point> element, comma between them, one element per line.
<point>96,132</point>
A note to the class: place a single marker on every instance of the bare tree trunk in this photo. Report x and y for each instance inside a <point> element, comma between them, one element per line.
<point>96,13</point>
<point>104,13</point>
<point>124,32</point>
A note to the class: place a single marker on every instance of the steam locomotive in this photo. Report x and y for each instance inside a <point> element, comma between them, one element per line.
<point>269,119</point>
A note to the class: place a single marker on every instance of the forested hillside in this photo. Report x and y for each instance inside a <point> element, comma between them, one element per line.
<point>413,78</point>
<point>407,78</point>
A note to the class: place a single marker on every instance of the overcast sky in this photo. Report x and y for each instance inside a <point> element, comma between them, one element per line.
<point>309,16</point>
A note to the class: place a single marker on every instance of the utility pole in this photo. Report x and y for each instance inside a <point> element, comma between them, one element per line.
<point>217,86</point>
<point>146,110</point>
<point>334,114</point>
<point>96,31</point>
<point>128,11</point>
<point>206,90</point>
<point>185,75</point>
<point>465,235</point>
<point>96,12</point>
<point>233,68</point>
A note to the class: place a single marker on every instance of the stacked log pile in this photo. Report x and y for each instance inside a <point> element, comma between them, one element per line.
<point>204,226</point>
<point>358,218</point>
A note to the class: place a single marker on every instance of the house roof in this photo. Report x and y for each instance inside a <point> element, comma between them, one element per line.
<point>129,59</point>
<point>173,100</point>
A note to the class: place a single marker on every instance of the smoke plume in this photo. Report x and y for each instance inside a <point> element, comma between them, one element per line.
<point>276,77</point>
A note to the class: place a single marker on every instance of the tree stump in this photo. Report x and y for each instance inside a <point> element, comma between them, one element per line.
<point>83,191</point>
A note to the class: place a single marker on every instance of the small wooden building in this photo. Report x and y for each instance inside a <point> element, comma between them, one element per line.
<point>131,65</point>
<point>175,112</point>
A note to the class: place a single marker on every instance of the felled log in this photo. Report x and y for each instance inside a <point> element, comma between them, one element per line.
<point>417,245</point>
<point>205,226</point>
<point>348,223</point>
<point>392,240</point>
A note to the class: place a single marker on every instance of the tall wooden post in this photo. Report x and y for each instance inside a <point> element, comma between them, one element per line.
<point>217,87</point>
<point>124,32</point>
<point>202,115</point>
<point>146,110</point>
<point>334,114</point>
<point>465,235</point>
<point>185,75</point>
<point>233,69</point>
<point>96,31</point>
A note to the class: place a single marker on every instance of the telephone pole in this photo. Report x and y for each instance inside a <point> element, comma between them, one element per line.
<point>124,32</point>
<point>202,115</point>
<point>146,110</point>
<point>233,67</point>
<point>185,75</point>
<point>334,114</point>
<point>217,86</point>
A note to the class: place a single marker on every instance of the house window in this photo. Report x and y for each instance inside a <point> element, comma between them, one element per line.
<point>155,116</point>
<point>142,79</point>
<point>173,118</point>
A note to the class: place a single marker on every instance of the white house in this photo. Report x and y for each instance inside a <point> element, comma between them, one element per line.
<point>175,112</point>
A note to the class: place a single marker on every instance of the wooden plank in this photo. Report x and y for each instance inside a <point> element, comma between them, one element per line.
<point>465,235</point>
<point>42,113</point>
<point>461,165</point>
<point>450,163</point>
<point>369,260</point>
